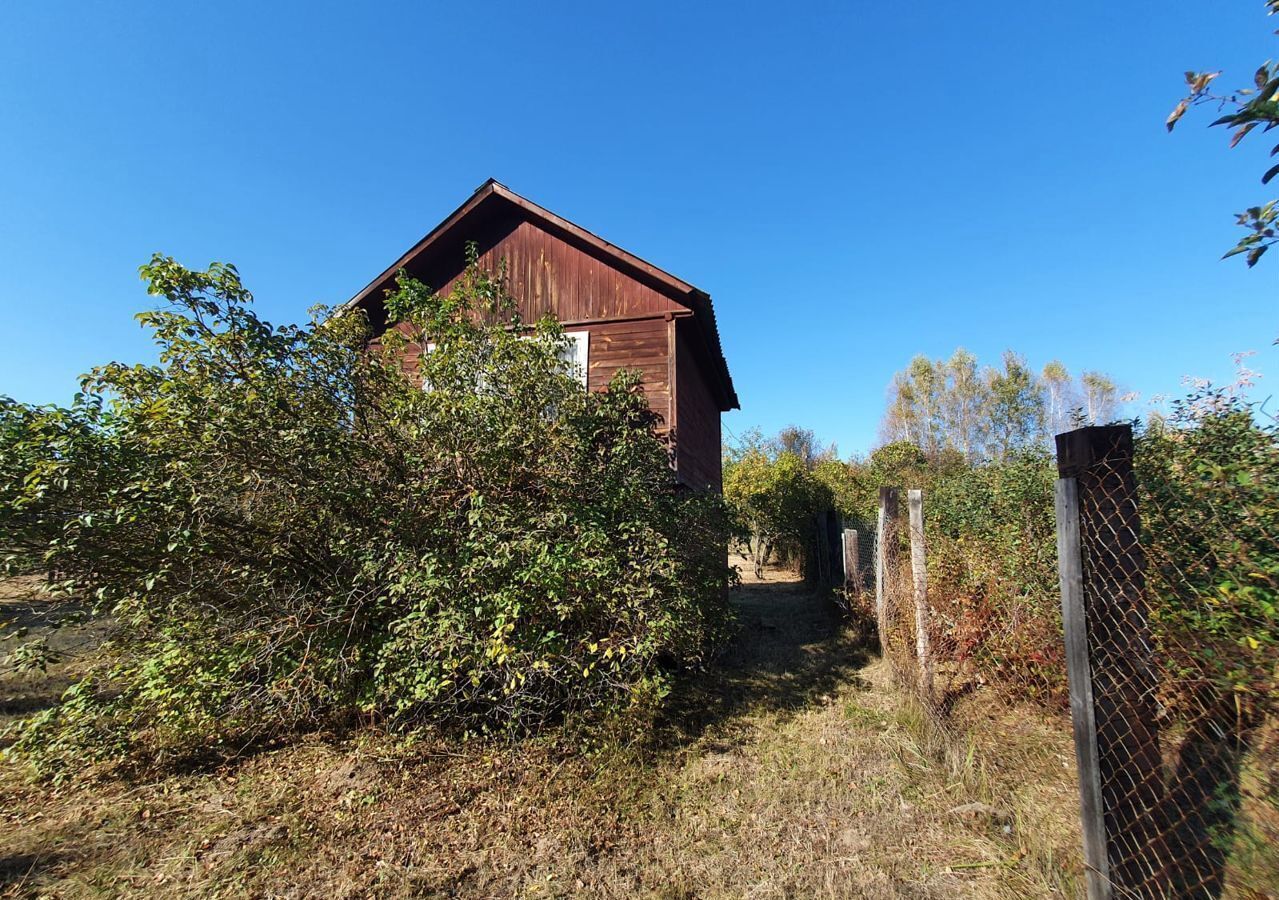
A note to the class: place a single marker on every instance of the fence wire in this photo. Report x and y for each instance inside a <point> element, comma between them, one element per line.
<point>1179,591</point>
<point>991,633</point>
<point>896,614</point>
<point>1181,595</point>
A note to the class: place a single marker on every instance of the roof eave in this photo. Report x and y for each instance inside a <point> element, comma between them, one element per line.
<point>483,191</point>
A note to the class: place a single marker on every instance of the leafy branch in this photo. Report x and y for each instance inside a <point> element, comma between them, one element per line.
<point>1248,109</point>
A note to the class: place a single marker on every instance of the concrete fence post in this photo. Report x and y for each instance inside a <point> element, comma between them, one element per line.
<point>1110,654</point>
<point>1070,570</point>
<point>852,561</point>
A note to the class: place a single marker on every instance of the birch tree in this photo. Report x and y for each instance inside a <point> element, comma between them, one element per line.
<point>958,406</point>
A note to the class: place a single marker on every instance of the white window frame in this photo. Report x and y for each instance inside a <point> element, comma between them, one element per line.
<point>427,348</point>
<point>580,365</point>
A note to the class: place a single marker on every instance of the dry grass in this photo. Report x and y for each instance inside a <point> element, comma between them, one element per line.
<point>793,769</point>
<point>1019,760</point>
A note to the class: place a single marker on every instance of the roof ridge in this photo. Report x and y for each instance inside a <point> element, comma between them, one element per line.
<point>677,288</point>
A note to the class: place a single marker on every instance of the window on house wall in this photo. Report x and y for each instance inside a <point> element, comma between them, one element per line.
<point>576,355</point>
<point>426,382</point>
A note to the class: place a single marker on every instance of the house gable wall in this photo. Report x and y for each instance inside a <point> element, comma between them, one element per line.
<point>634,318</point>
<point>697,421</point>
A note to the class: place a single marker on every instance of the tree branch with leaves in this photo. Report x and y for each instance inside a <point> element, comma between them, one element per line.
<point>1246,109</point>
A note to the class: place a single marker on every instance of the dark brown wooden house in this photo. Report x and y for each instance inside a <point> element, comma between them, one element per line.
<point>621,311</point>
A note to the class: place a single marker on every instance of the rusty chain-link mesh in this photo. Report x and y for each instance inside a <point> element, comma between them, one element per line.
<point>897,616</point>
<point>894,586</point>
<point>1179,552</point>
<point>992,616</point>
<point>1179,586</point>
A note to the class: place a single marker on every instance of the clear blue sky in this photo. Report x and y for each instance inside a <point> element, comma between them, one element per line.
<point>853,183</point>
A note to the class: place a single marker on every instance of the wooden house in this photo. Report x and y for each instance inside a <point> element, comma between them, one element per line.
<point>621,312</point>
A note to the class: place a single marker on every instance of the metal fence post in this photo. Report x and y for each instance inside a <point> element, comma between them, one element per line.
<point>919,573</point>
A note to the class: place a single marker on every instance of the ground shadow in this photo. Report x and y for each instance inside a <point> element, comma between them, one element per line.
<point>1203,799</point>
<point>26,869</point>
<point>792,648</point>
<point>56,634</point>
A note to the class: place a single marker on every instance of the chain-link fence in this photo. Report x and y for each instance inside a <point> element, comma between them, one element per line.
<point>987,603</point>
<point>1167,572</point>
<point>1169,585</point>
<point>895,595</point>
<point>856,591</point>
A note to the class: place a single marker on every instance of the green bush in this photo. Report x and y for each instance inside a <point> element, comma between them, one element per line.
<point>289,532</point>
<point>1209,500</point>
<point>993,585</point>
<point>774,497</point>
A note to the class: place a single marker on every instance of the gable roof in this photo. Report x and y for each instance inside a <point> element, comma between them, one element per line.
<point>492,193</point>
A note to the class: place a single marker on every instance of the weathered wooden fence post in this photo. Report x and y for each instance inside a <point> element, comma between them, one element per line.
<point>822,549</point>
<point>1070,570</point>
<point>919,573</point>
<point>852,560</point>
<point>885,556</point>
<point>1113,672</point>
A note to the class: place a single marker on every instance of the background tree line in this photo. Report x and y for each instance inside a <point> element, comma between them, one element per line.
<point>945,418</point>
<point>987,412</point>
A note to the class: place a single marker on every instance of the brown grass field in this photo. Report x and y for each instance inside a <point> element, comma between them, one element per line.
<point>793,768</point>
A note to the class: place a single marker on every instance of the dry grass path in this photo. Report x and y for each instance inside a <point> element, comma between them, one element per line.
<point>791,769</point>
<point>810,780</point>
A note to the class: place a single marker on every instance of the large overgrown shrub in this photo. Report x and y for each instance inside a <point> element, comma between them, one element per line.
<point>993,576</point>
<point>1209,499</point>
<point>774,496</point>
<point>1208,485</point>
<point>288,530</point>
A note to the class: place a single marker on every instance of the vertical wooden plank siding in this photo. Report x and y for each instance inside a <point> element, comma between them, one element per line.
<point>548,274</point>
<point>640,344</point>
<point>672,377</point>
<point>633,319</point>
<point>697,434</point>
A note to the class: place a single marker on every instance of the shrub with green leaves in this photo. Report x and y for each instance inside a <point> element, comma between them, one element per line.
<point>288,531</point>
<point>1209,499</point>
<point>774,497</point>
